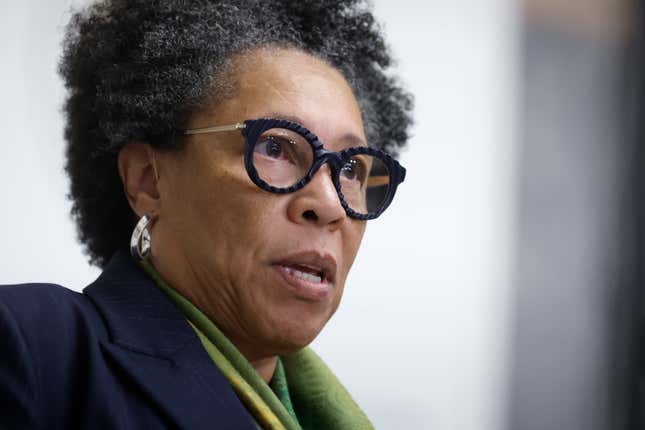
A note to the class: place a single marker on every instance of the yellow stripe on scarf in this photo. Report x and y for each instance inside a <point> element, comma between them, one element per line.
<point>258,408</point>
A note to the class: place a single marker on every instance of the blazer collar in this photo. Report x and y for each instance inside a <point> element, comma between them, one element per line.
<point>152,341</point>
<point>138,314</point>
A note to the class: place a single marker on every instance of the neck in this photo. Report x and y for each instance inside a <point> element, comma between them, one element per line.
<point>265,367</point>
<point>263,363</point>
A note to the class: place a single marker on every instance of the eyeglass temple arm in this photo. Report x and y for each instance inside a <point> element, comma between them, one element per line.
<point>214,129</point>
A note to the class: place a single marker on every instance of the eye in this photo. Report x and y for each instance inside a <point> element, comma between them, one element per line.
<point>353,170</point>
<point>273,147</point>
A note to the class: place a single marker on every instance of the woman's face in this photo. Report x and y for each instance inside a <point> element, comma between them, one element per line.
<point>249,258</point>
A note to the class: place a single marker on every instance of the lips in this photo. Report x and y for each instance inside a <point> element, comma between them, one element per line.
<point>310,266</point>
<point>309,275</point>
<point>306,273</point>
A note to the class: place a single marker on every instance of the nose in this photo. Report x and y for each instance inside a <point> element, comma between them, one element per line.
<point>317,202</point>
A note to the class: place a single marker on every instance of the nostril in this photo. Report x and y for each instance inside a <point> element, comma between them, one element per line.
<point>310,215</point>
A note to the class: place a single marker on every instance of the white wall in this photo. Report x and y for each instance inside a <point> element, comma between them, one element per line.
<point>421,338</point>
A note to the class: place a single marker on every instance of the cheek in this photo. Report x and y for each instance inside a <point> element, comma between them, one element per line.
<point>246,214</point>
<point>238,219</point>
<point>214,201</point>
<point>350,246</point>
<point>354,239</point>
<point>220,191</point>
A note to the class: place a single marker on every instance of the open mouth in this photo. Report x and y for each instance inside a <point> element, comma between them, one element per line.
<point>309,274</point>
<point>310,266</point>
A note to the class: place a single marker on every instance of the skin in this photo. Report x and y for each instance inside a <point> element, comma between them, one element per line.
<point>217,236</point>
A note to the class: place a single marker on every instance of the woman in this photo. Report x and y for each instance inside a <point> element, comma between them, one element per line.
<point>238,148</point>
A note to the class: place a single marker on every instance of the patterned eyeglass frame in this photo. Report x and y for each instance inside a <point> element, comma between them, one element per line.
<point>253,128</point>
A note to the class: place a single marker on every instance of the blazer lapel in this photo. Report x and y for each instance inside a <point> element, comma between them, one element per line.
<point>154,344</point>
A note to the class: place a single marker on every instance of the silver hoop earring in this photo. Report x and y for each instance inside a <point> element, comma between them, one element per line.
<point>140,240</point>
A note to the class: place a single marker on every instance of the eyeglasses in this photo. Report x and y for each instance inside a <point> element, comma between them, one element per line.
<point>282,156</point>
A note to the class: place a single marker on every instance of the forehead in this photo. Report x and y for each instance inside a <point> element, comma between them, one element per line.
<point>288,83</point>
<point>289,68</point>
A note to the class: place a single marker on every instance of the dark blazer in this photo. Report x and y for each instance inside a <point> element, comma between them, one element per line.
<point>118,356</point>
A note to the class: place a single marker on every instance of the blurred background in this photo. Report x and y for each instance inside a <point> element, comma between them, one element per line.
<point>504,288</point>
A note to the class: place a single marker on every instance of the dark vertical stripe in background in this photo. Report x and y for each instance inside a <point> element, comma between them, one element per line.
<point>628,359</point>
<point>578,278</point>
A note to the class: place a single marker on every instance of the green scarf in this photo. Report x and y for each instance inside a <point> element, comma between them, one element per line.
<point>307,396</point>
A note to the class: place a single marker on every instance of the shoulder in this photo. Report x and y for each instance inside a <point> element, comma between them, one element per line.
<point>47,334</point>
<point>42,303</point>
<point>39,292</point>
<point>48,319</point>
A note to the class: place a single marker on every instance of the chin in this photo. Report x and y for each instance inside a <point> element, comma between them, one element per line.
<point>295,336</point>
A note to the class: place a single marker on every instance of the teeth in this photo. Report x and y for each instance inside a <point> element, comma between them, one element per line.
<point>303,275</point>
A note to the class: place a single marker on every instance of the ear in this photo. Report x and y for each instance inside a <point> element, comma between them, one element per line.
<point>138,171</point>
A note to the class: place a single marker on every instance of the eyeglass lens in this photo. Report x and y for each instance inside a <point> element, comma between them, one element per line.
<point>283,157</point>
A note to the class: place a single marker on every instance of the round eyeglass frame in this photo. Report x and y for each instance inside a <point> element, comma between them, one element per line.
<point>252,129</point>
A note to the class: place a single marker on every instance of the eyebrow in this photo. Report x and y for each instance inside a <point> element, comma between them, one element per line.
<point>351,138</point>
